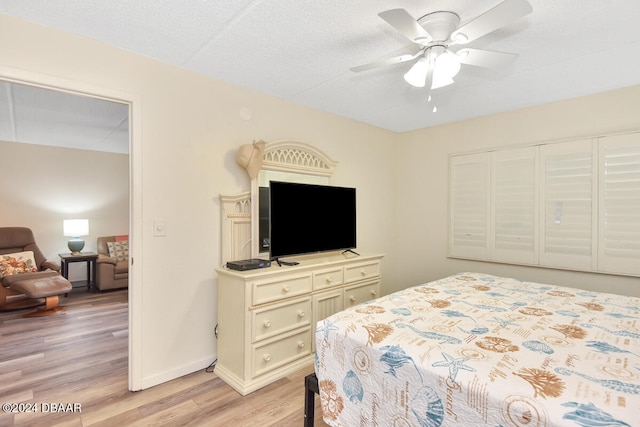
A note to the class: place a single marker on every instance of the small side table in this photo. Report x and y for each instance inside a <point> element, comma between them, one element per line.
<point>88,257</point>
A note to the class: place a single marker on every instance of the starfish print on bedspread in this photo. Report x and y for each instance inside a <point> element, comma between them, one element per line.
<point>326,327</point>
<point>454,365</point>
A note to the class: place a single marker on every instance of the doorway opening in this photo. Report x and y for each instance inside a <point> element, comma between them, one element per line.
<point>81,130</point>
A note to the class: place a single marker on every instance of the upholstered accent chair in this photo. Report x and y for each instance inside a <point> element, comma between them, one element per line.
<point>27,279</point>
<point>112,263</point>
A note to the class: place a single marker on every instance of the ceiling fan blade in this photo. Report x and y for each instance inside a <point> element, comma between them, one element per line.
<point>501,15</point>
<point>385,62</point>
<point>402,21</point>
<point>485,58</point>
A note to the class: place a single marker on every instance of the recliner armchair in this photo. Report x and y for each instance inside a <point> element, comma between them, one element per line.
<point>30,288</point>
<point>111,273</point>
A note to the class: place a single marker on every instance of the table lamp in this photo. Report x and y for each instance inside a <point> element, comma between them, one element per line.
<point>76,228</point>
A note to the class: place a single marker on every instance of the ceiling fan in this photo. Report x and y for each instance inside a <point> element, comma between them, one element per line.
<point>440,41</point>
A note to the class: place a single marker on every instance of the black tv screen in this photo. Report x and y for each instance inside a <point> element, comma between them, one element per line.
<point>309,218</point>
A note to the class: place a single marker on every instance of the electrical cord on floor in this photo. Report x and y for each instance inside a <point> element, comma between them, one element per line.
<point>212,366</point>
<point>209,369</point>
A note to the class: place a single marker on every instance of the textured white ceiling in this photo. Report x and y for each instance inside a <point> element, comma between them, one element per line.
<point>41,116</point>
<point>301,50</point>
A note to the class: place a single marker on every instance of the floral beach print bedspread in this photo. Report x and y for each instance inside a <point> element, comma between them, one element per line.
<point>474,349</point>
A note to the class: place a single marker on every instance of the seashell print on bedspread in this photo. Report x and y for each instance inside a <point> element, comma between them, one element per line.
<point>474,349</point>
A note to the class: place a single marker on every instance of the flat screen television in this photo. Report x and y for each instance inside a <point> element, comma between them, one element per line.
<point>310,218</point>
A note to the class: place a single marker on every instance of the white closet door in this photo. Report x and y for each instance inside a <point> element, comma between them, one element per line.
<point>514,208</point>
<point>568,205</point>
<point>619,204</point>
<point>469,206</point>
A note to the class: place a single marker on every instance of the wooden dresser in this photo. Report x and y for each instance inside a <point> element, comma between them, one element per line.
<point>267,317</point>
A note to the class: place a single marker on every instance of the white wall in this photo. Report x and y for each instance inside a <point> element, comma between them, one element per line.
<point>423,174</point>
<point>45,185</point>
<point>186,129</point>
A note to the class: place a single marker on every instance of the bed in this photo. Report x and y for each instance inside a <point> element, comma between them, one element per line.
<point>474,349</point>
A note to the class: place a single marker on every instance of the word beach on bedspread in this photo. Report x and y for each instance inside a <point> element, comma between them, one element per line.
<point>474,349</point>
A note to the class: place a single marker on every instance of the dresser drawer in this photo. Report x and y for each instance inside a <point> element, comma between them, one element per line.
<point>279,352</point>
<point>323,279</point>
<point>361,293</point>
<point>280,318</point>
<point>361,272</point>
<point>283,287</point>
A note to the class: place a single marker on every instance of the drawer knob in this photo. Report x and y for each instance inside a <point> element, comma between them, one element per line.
<point>353,298</point>
<point>363,272</point>
<point>374,292</point>
<point>286,288</point>
<point>267,323</point>
<point>329,279</point>
<point>301,313</point>
<point>267,357</point>
<point>301,344</point>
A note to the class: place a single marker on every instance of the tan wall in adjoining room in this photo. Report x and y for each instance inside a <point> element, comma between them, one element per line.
<point>423,174</point>
<point>45,185</point>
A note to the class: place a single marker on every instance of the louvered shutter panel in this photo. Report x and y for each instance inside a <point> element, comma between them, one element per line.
<point>619,204</point>
<point>568,210</point>
<point>469,206</point>
<point>513,212</point>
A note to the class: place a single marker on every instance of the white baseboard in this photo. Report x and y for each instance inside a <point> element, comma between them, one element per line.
<point>181,371</point>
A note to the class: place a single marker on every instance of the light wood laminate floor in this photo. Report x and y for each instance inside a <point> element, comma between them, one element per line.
<point>80,357</point>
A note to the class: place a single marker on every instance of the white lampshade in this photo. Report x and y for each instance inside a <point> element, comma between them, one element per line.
<point>444,65</point>
<point>76,227</point>
<point>447,66</point>
<point>417,74</point>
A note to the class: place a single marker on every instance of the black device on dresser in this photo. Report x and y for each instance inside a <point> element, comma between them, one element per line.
<point>248,264</point>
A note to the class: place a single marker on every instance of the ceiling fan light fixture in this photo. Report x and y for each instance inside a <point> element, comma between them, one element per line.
<point>447,64</point>
<point>446,67</point>
<point>417,74</point>
<point>439,82</point>
<point>435,32</point>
